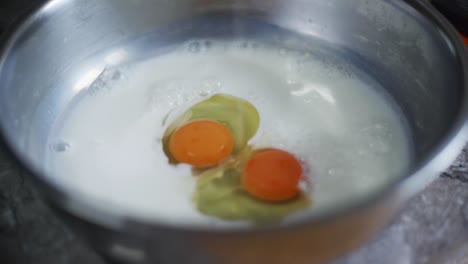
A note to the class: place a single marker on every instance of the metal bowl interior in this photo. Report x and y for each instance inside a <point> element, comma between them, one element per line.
<point>58,50</point>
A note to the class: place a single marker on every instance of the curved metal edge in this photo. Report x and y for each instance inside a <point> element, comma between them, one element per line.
<point>56,197</point>
<point>406,188</point>
<point>453,143</point>
<point>7,40</point>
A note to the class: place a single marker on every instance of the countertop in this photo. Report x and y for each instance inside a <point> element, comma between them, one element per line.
<point>432,228</point>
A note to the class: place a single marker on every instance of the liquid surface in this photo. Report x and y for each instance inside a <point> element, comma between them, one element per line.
<point>108,145</point>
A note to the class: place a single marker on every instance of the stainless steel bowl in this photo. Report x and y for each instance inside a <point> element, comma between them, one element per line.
<point>406,45</point>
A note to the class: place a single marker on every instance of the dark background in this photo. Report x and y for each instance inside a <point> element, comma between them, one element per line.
<point>431,225</point>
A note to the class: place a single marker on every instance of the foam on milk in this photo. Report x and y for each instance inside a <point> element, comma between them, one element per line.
<point>109,144</point>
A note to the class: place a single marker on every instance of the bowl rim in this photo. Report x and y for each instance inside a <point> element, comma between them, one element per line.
<point>442,155</point>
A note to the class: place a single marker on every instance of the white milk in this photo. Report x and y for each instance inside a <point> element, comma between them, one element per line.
<point>347,134</point>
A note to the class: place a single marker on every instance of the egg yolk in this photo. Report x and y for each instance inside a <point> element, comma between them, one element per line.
<point>201,143</point>
<point>272,175</point>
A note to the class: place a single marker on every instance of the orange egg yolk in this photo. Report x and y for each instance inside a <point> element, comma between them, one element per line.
<point>272,175</point>
<point>201,143</point>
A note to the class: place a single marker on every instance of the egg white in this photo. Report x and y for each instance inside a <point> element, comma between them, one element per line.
<point>348,135</point>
